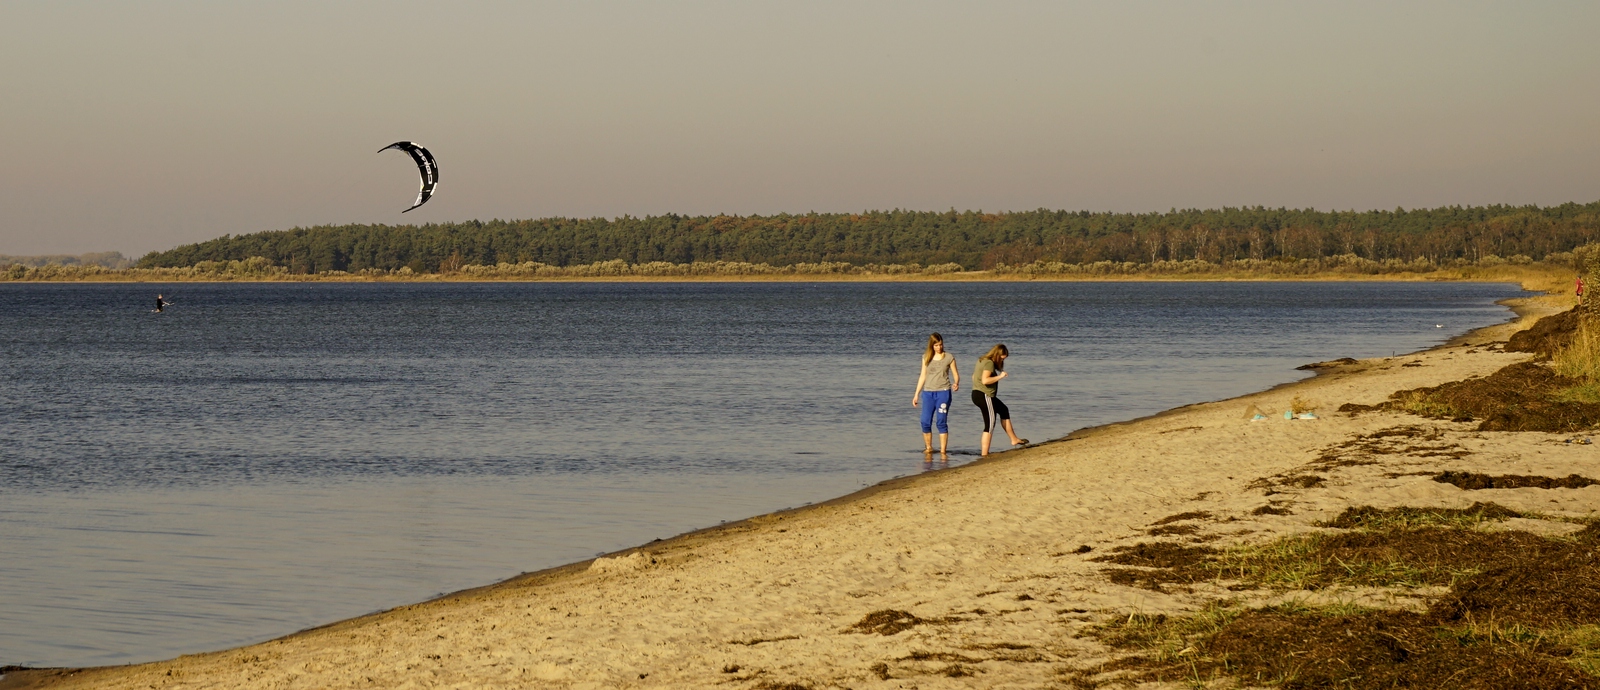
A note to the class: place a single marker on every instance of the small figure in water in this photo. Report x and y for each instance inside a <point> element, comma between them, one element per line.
<point>161,304</point>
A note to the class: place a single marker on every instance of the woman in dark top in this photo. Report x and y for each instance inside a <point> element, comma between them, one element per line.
<point>985,387</point>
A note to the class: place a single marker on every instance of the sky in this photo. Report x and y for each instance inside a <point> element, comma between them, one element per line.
<point>139,126</point>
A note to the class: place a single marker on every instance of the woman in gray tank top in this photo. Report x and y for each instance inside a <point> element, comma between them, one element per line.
<point>936,385</point>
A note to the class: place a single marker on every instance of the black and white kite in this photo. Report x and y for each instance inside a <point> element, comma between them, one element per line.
<point>426,167</point>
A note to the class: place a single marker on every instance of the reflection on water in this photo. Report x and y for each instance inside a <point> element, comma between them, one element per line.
<point>265,458</point>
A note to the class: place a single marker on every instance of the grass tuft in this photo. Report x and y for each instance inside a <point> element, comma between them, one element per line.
<point>1406,518</point>
<point>1581,358</point>
<point>1424,405</point>
<point>1581,393</point>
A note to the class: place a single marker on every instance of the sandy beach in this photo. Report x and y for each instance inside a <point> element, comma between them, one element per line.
<point>979,576</point>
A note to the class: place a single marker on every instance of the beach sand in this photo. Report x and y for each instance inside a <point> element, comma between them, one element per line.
<point>988,558</point>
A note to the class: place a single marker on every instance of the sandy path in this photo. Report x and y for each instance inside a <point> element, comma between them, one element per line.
<point>985,554</point>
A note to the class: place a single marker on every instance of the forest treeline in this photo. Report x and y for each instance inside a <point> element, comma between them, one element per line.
<point>972,240</point>
<point>113,260</point>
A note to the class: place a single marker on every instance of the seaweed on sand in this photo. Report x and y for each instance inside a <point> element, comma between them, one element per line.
<point>1549,334</point>
<point>1520,397</point>
<point>1521,611</point>
<point>1473,481</point>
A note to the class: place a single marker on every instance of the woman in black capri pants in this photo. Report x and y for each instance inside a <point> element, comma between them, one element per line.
<point>985,388</point>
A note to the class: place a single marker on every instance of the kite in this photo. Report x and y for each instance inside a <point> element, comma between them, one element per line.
<point>426,167</point>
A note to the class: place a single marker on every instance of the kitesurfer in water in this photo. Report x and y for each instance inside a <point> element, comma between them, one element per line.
<point>161,304</point>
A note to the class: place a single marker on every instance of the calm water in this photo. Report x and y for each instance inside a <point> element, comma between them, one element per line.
<point>264,458</point>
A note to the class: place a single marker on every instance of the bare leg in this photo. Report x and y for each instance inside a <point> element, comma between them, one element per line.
<point>984,444</point>
<point>944,443</point>
<point>1015,439</point>
<point>927,442</point>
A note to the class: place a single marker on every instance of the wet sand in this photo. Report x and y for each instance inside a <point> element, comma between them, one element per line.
<point>990,560</point>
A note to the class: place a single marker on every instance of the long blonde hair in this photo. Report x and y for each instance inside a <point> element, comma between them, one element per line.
<point>996,355</point>
<point>927,354</point>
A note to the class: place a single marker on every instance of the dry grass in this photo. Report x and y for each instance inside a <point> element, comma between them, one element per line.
<point>1581,358</point>
<point>1406,518</point>
<point>1581,393</point>
<point>1299,405</point>
<point>1421,404</point>
<point>1539,277</point>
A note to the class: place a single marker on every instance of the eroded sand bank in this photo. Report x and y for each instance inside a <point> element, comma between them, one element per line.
<point>989,558</point>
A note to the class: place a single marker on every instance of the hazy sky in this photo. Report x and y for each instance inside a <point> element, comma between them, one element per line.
<point>137,126</point>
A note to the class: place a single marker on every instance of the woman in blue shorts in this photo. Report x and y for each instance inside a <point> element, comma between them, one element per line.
<point>939,380</point>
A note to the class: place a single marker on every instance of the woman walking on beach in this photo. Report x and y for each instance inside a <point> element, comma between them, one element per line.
<point>985,387</point>
<point>939,381</point>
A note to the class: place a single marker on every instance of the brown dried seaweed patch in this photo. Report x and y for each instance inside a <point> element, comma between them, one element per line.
<point>1157,555</point>
<point>1159,564</point>
<point>1472,481</point>
<point>886,622</point>
<point>1330,364</point>
<point>1519,397</point>
<point>1407,431</point>
<point>1549,334</point>
<point>1154,580</point>
<point>1551,588</point>
<point>1180,517</point>
<point>939,656</point>
<point>1521,613</point>
<point>1360,650</point>
<point>1303,481</point>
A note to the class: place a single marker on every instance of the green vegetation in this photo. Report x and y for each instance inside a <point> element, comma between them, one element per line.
<point>1043,241</point>
<point>1295,646</point>
<point>1420,403</point>
<point>1510,609</point>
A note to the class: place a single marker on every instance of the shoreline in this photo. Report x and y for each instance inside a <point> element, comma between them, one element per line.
<point>1547,277</point>
<point>973,277</point>
<point>655,560</point>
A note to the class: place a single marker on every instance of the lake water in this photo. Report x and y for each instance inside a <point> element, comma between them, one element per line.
<point>262,458</point>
